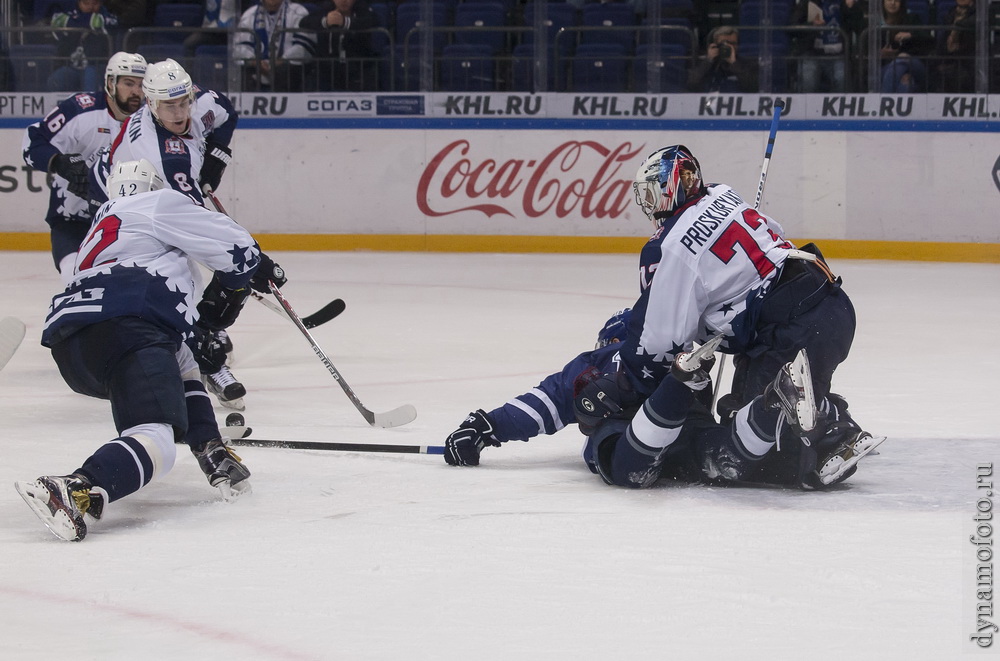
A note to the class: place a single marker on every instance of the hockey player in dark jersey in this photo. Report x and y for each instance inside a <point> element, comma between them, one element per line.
<point>69,140</point>
<point>117,332</point>
<point>185,132</point>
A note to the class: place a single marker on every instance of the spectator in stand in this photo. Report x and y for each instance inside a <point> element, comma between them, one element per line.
<point>217,14</point>
<point>344,56</point>
<point>722,69</point>
<point>902,50</point>
<point>271,22</point>
<point>957,50</point>
<point>82,49</point>
<point>822,67</point>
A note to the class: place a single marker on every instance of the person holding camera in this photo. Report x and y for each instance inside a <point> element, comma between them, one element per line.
<point>722,69</point>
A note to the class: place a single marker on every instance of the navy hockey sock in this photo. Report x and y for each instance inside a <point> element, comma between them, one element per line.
<point>202,426</point>
<point>120,467</point>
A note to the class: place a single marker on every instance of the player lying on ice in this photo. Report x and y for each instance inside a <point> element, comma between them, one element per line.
<point>117,332</point>
<point>714,271</point>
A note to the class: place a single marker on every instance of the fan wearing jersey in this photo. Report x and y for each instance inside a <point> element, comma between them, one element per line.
<point>69,140</point>
<point>717,267</point>
<point>117,332</point>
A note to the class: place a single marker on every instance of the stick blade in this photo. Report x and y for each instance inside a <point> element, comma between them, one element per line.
<point>395,418</point>
<point>324,314</point>
<point>11,333</point>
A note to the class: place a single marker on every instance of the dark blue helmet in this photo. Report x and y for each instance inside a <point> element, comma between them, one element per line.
<point>614,329</point>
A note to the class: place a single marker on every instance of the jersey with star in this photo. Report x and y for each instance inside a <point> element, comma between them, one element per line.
<point>135,262</point>
<point>178,158</point>
<point>701,274</point>
<point>80,124</point>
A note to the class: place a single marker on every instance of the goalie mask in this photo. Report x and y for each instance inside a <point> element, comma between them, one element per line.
<point>169,93</point>
<point>133,177</point>
<point>666,180</point>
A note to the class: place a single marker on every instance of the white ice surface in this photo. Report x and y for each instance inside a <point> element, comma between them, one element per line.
<point>376,556</point>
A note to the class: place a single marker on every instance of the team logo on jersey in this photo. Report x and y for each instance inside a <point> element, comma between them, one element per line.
<point>208,121</point>
<point>85,100</point>
<point>102,129</point>
<point>173,146</point>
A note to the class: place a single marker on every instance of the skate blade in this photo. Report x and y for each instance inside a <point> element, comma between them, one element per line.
<point>56,518</point>
<point>235,404</point>
<point>233,492</point>
<point>837,465</point>
<point>801,374</point>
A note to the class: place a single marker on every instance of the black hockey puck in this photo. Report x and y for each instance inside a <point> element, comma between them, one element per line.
<point>235,420</point>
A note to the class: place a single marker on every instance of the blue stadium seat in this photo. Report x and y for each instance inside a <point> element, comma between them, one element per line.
<point>678,32</point>
<point>380,40</point>
<point>477,14</point>
<point>42,10</point>
<point>175,15</point>
<point>523,69</point>
<point>616,15</point>
<point>668,64</point>
<point>155,52</point>
<point>467,68</point>
<point>558,15</point>
<point>211,67</point>
<point>599,68</point>
<point>408,19</point>
<point>402,69</point>
<point>31,65</point>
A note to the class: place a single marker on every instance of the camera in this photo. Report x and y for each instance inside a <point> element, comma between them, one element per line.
<point>725,51</point>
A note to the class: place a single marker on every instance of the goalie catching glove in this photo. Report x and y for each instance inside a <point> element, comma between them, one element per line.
<point>267,270</point>
<point>463,445</point>
<point>73,169</point>
<point>217,157</point>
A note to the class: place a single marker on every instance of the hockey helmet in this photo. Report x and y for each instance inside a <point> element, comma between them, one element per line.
<point>133,177</point>
<point>667,179</point>
<point>123,64</point>
<point>166,81</point>
<point>615,329</point>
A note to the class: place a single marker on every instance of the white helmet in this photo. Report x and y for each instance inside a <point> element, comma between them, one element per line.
<point>164,81</point>
<point>123,64</point>
<point>133,177</point>
<point>666,180</point>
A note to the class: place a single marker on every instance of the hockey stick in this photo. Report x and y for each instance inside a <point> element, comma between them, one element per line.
<point>318,318</point>
<point>338,447</point>
<point>11,334</point>
<point>778,106</point>
<point>394,418</point>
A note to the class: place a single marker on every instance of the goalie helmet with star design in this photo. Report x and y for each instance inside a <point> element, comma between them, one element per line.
<point>666,180</point>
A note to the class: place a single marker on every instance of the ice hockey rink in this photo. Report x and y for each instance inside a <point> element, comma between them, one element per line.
<point>352,556</point>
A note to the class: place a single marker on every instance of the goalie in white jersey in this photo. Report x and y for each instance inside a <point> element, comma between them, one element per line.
<point>117,332</point>
<point>717,268</point>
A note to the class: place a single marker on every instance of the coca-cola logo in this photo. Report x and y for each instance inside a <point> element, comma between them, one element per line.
<point>584,178</point>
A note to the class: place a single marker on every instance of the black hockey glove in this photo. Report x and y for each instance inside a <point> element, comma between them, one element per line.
<point>267,270</point>
<point>209,352</point>
<point>220,305</point>
<point>73,169</point>
<point>217,157</point>
<point>463,445</point>
<point>597,397</point>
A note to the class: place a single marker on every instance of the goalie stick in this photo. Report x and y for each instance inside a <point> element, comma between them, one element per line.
<point>338,447</point>
<point>778,106</point>
<point>318,318</point>
<point>396,417</point>
<point>11,334</point>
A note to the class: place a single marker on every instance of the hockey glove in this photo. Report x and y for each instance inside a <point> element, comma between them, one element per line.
<point>217,157</point>
<point>73,169</point>
<point>463,445</point>
<point>220,305</point>
<point>267,270</point>
<point>209,352</point>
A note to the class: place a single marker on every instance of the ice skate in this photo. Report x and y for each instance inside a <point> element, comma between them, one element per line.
<point>61,501</point>
<point>224,469</point>
<point>792,390</point>
<point>839,464</point>
<point>224,385</point>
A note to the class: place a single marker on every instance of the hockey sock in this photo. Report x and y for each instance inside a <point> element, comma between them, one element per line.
<point>120,467</point>
<point>202,426</point>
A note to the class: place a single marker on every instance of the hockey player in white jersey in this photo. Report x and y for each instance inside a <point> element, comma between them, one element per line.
<point>716,267</point>
<point>69,140</point>
<point>184,131</point>
<point>117,332</point>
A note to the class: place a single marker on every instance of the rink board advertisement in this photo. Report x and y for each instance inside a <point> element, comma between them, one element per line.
<point>920,168</point>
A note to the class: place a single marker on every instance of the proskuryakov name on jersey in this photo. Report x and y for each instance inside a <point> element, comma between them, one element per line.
<point>702,228</point>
